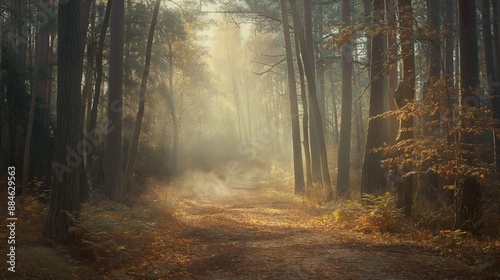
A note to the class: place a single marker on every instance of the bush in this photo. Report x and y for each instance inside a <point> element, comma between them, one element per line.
<point>372,214</point>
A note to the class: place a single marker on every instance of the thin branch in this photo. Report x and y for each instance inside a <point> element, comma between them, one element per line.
<point>271,66</point>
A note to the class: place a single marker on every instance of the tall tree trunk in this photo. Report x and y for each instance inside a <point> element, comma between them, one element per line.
<point>2,91</point>
<point>142,100</point>
<point>305,111</point>
<point>344,154</point>
<point>392,72</point>
<point>358,126</point>
<point>372,175</point>
<point>113,154</point>
<point>294,108</point>
<point>496,39</point>
<point>405,94</point>
<point>40,78</point>
<point>489,57</point>
<point>335,134</point>
<point>175,120</point>
<point>450,95</point>
<point>317,121</point>
<point>44,56</point>
<point>434,51</point>
<point>85,185</point>
<point>27,143</point>
<point>64,205</point>
<point>320,65</point>
<point>495,79</point>
<point>470,208</point>
<point>99,71</point>
<point>449,44</point>
<point>368,15</point>
<point>309,73</point>
<point>21,26</point>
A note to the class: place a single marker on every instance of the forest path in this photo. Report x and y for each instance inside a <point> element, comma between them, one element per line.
<point>248,230</point>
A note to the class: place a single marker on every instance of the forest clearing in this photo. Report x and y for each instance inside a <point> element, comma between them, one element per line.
<point>250,139</point>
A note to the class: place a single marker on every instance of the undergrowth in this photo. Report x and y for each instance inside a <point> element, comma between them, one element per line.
<point>430,228</point>
<point>371,214</point>
<point>109,233</point>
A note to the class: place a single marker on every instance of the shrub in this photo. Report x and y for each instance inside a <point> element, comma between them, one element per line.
<point>373,213</point>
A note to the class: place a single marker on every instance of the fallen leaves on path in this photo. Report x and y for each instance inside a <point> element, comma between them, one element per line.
<point>262,233</point>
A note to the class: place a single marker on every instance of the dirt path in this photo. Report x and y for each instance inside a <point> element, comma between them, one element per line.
<point>254,233</point>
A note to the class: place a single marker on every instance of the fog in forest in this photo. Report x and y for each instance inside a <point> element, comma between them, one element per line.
<point>238,119</point>
<point>250,139</point>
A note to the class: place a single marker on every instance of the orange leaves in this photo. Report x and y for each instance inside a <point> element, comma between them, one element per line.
<point>447,138</point>
<point>345,35</point>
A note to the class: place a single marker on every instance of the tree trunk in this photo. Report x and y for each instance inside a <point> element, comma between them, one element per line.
<point>21,27</point>
<point>372,175</point>
<point>305,111</point>
<point>434,51</point>
<point>85,185</point>
<point>317,121</point>
<point>449,44</point>
<point>64,205</point>
<point>99,72</point>
<point>142,101</point>
<point>113,153</point>
<point>294,108</point>
<point>175,120</point>
<point>41,80</point>
<point>309,73</point>
<point>489,58</point>
<point>27,144</point>
<point>344,154</point>
<point>470,208</point>
<point>405,94</point>
<point>450,95</point>
<point>320,65</point>
<point>335,134</point>
<point>2,90</point>
<point>392,72</point>
<point>495,79</point>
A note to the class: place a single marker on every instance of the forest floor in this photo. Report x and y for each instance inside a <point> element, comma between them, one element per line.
<point>205,226</point>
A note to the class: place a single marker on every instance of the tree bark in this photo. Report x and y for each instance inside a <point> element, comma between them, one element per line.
<point>294,108</point>
<point>113,153</point>
<point>495,79</point>
<point>142,100</point>
<point>336,133</point>
<point>99,71</point>
<point>392,72</point>
<point>470,208</point>
<point>449,44</point>
<point>405,94</point>
<point>434,51</point>
<point>175,120</point>
<point>305,117</point>
<point>344,154</point>
<point>372,175</point>
<point>320,65</point>
<point>313,139</point>
<point>317,121</point>
<point>64,205</point>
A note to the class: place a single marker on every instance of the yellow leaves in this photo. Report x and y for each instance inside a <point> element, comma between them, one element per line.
<point>445,138</point>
